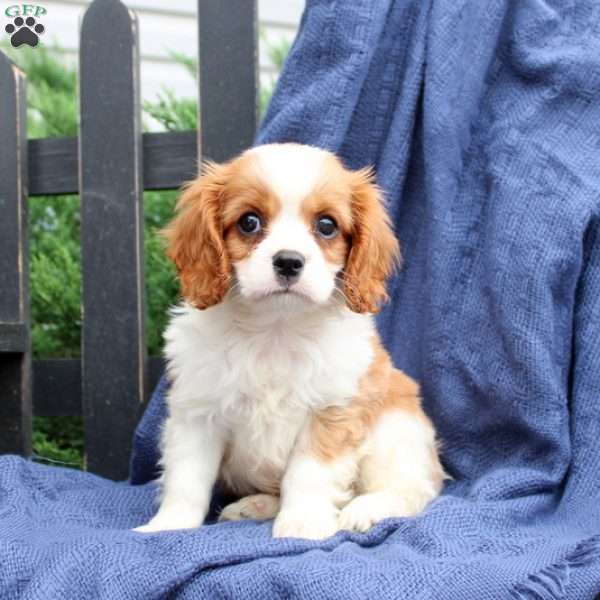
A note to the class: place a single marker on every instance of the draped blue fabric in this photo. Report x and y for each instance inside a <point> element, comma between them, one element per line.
<point>482,120</point>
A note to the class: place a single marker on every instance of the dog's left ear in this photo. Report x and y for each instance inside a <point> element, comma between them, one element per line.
<point>375,250</point>
<point>195,239</point>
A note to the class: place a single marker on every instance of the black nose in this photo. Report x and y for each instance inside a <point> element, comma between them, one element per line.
<point>288,265</point>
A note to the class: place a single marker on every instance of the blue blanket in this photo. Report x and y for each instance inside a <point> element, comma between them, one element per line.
<point>483,121</point>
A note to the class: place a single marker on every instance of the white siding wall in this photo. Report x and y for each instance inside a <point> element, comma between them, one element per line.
<point>169,26</point>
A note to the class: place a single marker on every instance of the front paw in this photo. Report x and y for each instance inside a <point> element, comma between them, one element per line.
<point>366,510</point>
<point>312,524</point>
<point>171,520</point>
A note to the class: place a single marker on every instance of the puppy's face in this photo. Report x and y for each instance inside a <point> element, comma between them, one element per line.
<point>283,221</point>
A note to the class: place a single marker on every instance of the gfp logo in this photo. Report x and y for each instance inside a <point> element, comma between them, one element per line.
<point>25,27</point>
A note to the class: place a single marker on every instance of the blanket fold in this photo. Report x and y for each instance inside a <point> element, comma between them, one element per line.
<point>482,120</point>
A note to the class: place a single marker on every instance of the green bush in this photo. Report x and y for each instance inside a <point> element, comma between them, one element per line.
<point>54,227</point>
<point>55,222</point>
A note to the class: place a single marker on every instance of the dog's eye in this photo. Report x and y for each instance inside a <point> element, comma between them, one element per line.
<point>326,227</point>
<point>249,223</point>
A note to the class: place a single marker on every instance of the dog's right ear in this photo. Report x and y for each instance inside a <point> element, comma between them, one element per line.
<point>195,239</point>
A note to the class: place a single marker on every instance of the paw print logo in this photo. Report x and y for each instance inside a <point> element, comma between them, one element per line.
<point>24,31</point>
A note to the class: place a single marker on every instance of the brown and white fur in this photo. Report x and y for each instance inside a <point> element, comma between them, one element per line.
<point>281,390</point>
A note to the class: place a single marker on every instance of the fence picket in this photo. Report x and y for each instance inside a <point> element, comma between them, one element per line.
<point>228,72</point>
<point>112,232</point>
<point>15,356</point>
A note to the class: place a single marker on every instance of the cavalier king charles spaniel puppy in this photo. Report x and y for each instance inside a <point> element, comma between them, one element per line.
<point>281,391</point>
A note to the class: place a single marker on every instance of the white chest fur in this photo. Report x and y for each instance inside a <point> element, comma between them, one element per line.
<point>259,375</point>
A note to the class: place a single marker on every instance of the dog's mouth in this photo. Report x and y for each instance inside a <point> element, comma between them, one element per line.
<point>288,291</point>
<point>279,292</point>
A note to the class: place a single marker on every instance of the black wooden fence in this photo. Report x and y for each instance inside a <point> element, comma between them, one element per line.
<point>110,164</point>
